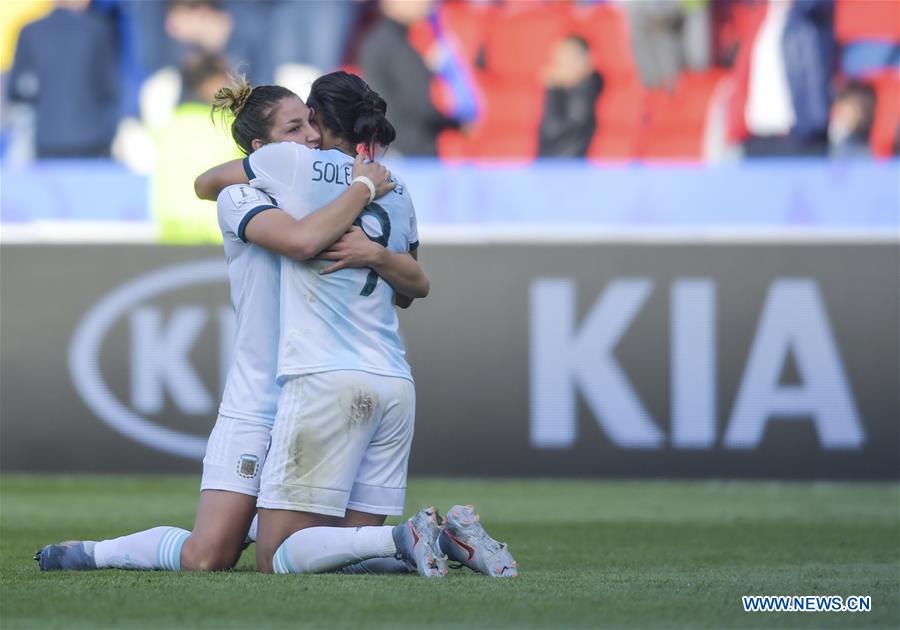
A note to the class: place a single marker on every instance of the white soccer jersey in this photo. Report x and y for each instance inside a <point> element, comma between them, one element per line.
<point>254,273</point>
<point>344,320</point>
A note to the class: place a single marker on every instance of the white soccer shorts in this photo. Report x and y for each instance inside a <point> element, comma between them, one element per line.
<point>235,454</point>
<point>341,441</point>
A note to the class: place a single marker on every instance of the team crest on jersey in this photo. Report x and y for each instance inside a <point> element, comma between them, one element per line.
<point>248,466</point>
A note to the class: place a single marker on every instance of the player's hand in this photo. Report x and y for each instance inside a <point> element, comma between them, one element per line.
<point>379,175</point>
<point>354,249</point>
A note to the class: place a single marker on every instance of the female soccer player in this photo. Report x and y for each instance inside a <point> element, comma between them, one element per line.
<point>342,435</point>
<point>237,446</point>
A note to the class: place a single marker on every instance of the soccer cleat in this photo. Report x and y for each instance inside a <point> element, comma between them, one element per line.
<point>417,543</point>
<point>67,556</point>
<point>465,541</point>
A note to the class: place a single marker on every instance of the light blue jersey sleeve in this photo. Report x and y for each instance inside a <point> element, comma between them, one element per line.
<point>237,205</point>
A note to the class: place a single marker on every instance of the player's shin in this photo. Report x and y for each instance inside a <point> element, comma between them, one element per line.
<point>378,566</point>
<point>326,549</point>
<point>157,548</point>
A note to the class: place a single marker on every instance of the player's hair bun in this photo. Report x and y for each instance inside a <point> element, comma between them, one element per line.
<point>372,103</point>
<point>232,97</point>
<point>371,126</point>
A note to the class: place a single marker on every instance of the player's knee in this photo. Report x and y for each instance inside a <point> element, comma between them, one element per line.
<point>207,557</point>
<point>264,555</point>
<point>264,562</point>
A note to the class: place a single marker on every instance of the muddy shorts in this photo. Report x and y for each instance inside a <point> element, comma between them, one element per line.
<point>340,441</point>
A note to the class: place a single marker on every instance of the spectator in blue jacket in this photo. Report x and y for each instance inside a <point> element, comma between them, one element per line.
<point>66,66</point>
<point>809,60</point>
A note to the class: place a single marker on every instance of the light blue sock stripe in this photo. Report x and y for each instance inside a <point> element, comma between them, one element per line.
<point>159,551</point>
<point>277,564</point>
<point>178,541</point>
<point>163,553</point>
<point>168,553</point>
<point>287,560</point>
<point>280,562</point>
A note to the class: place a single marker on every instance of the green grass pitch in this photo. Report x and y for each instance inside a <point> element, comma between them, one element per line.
<point>591,554</point>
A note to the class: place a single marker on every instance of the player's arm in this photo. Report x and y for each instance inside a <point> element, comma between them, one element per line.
<point>210,183</point>
<point>400,270</point>
<point>304,238</point>
<point>404,301</point>
<point>403,273</point>
<point>301,239</point>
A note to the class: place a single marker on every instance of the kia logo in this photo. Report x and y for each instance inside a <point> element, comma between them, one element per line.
<point>160,360</point>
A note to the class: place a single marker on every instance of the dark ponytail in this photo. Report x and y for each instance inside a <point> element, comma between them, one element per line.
<point>344,104</point>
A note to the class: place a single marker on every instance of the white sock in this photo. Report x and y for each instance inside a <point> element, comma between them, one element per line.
<point>157,548</point>
<point>254,526</point>
<point>377,566</point>
<point>324,549</point>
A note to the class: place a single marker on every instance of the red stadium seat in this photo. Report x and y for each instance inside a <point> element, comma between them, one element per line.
<point>453,146</point>
<point>421,37</point>
<point>887,114</point>
<point>469,23</point>
<point>872,20</point>
<point>613,144</point>
<point>508,126</point>
<point>504,143</point>
<point>620,114</point>
<point>517,38</point>
<point>511,101</point>
<point>511,116</point>
<point>676,121</point>
<point>520,39</point>
<point>605,27</point>
<point>673,143</point>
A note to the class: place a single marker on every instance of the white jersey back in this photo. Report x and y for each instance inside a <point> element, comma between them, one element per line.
<point>254,273</point>
<point>344,320</point>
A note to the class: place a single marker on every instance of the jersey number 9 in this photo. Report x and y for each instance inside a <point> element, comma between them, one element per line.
<point>370,220</point>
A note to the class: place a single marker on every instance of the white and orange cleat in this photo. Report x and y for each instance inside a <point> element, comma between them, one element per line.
<point>465,540</point>
<point>417,543</point>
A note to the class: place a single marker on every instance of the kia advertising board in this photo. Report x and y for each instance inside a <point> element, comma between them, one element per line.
<point>677,359</point>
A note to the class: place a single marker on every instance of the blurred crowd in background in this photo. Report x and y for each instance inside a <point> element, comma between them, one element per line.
<point>470,79</point>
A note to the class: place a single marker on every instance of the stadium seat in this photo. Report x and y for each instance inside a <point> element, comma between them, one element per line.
<point>605,27</point>
<point>511,101</point>
<point>520,39</point>
<point>620,114</point>
<point>886,125</point>
<point>676,121</point>
<point>503,143</point>
<point>453,146</point>
<point>508,127</point>
<point>861,21</point>
<point>469,22</point>
<point>680,143</point>
<point>421,37</point>
<point>611,144</point>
